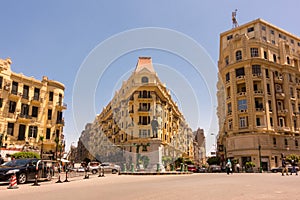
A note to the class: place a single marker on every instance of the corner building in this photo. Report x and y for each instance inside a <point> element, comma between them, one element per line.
<point>29,109</point>
<point>259,94</point>
<point>144,121</point>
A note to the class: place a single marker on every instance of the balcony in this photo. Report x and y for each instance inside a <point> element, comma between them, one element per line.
<point>36,100</point>
<point>280,95</point>
<point>61,106</point>
<point>259,109</point>
<point>282,112</point>
<point>60,122</point>
<point>257,76</point>
<point>14,94</point>
<point>24,118</point>
<point>243,111</point>
<point>278,79</point>
<point>241,93</point>
<point>258,92</point>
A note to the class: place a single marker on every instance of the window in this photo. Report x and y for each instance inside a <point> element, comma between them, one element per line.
<point>242,104</point>
<point>271,121</point>
<point>229,108</point>
<point>268,89</point>
<point>1,102</point>
<point>35,111</point>
<point>265,55</point>
<point>50,96</point>
<point>281,122</point>
<point>288,60</point>
<point>230,124</point>
<point>243,122</point>
<point>264,38</point>
<point>274,141</point>
<point>14,89</point>
<point>12,106</point>
<point>298,44</point>
<point>272,32</point>
<point>145,79</point>
<point>49,114</point>
<point>251,29</point>
<point>254,52</point>
<point>258,123</point>
<point>267,73</point>
<point>36,95</point>
<point>286,142</point>
<point>33,130</point>
<point>10,128</point>
<point>240,72</point>
<point>227,76</point>
<point>48,133</point>
<point>292,41</point>
<point>25,91</point>
<point>24,110</point>
<point>238,55</point>
<point>256,69</point>
<point>263,28</point>
<point>280,36</point>
<point>273,42</point>
<point>229,37</point>
<point>1,82</point>
<point>227,60</point>
<point>274,58</point>
<point>296,143</point>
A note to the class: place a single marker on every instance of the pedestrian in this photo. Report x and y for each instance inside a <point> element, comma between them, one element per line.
<point>284,167</point>
<point>1,160</point>
<point>294,170</point>
<point>238,167</point>
<point>228,167</point>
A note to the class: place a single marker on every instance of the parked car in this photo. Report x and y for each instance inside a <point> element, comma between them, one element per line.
<point>201,170</point>
<point>25,170</point>
<point>279,169</point>
<point>111,168</point>
<point>93,167</point>
<point>214,168</point>
<point>192,168</point>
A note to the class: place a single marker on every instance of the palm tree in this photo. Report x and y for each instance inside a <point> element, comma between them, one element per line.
<point>42,145</point>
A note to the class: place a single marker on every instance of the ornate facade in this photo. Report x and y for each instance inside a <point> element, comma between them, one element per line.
<point>259,94</point>
<point>31,112</point>
<point>141,122</point>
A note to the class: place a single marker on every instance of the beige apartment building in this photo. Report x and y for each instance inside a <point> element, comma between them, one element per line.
<point>142,122</point>
<point>259,94</point>
<point>31,112</point>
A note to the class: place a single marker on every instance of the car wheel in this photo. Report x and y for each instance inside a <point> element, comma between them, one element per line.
<point>275,171</point>
<point>22,178</point>
<point>114,171</point>
<point>94,171</point>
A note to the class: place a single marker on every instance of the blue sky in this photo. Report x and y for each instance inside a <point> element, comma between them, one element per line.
<point>55,37</point>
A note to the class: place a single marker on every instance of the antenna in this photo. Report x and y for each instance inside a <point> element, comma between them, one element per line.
<point>234,21</point>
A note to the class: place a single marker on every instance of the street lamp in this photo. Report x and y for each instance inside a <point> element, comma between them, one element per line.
<point>259,154</point>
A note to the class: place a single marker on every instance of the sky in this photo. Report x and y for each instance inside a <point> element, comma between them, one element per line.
<point>92,46</point>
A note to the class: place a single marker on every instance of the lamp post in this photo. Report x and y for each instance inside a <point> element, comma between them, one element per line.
<point>259,154</point>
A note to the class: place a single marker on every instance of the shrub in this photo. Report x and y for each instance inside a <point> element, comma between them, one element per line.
<point>19,155</point>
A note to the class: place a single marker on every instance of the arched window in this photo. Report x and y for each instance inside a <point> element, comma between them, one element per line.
<point>274,141</point>
<point>145,79</point>
<point>238,55</point>
<point>227,60</point>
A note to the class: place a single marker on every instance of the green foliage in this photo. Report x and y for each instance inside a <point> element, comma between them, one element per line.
<point>145,161</point>
<point>294,157</point>
<point>26,155</point>
<point>214,160</point>
<point>250,164</point>
<point>178,161</point>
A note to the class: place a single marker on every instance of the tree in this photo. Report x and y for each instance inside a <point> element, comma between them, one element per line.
<point>214,160</point>
<point>291,157</point>
<point>19,155</point>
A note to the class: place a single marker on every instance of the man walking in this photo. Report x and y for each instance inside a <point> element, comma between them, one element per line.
<point>294,170</point>
<point>1,160</point>
<point>284,167</point>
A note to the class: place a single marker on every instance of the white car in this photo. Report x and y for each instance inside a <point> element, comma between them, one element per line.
<point>109,167</point>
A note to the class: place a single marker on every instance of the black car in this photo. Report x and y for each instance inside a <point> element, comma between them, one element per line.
<point>25,170</point>
<point>279,169</point>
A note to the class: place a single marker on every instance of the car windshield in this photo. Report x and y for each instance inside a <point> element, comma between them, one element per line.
<point>14,163</point>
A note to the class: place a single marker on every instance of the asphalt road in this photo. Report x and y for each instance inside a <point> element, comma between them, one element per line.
<point>221,186</point>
